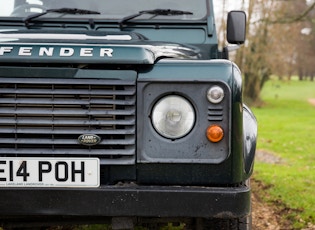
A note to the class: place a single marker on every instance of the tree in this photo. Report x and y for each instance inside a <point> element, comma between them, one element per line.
<point>298,18</point>
<point>276,43</point>
<point>253,58</point>
<point>280,41</point>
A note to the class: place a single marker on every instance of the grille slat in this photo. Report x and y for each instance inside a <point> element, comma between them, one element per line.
<point>65,112</point>
<point>44,117</point>
<point>66,81</point>
<point>215,113</point>
<point>67,153</point>
<point>77,131</point>
<point>65,101</point>
<point>61,121</point>
<point>58,92</point>
<point>26,141</point>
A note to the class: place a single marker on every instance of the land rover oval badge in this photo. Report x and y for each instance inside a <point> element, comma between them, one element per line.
<point>89,139</point>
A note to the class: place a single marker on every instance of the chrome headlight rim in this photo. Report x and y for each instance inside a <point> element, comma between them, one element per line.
<point>177,120</point>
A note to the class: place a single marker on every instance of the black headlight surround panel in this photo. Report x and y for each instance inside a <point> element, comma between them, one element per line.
<point>194,147</point>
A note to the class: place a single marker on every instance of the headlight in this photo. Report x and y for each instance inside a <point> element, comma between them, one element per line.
<point>215,94</point>
<point>173,117</point>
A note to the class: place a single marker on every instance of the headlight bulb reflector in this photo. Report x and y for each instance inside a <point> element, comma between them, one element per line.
<point>173,117</point>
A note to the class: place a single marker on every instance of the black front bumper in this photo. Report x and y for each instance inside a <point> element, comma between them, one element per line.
<point>127,201</point>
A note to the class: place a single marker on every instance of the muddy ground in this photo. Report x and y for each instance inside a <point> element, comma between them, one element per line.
<point>269,216</point>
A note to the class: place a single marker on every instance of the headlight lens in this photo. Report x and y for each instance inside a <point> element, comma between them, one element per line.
<point>173,117</point>
<point>215,94</point>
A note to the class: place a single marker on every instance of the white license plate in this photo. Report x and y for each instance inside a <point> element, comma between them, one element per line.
<point>49,172</point>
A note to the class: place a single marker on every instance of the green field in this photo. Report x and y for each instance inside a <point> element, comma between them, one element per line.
<point>287,130</point>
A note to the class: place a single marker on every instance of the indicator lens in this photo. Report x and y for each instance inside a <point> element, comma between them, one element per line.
<point>215,133</point>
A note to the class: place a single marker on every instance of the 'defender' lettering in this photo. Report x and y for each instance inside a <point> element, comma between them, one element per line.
<point>4,50</point>
<point>51,51</point>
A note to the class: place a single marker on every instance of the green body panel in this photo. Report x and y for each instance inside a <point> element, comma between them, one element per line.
<point>123,93</point>
<point>163,53</point>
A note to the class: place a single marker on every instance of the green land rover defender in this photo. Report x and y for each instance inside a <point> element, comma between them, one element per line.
<point>122,111</point>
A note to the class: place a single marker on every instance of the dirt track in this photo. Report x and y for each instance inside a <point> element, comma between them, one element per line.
<point>265,217</point>
<point>312,101</point>
<point>269,216</point>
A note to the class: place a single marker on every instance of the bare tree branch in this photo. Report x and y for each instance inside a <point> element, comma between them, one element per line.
<point>298,18</point>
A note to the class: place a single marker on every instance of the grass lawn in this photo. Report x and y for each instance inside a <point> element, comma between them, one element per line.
<point>287,129</point>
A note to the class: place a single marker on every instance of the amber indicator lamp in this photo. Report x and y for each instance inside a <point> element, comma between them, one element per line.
<point>215,133</point>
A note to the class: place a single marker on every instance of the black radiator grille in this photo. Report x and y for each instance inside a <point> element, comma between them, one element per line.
<point>45,117</point>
